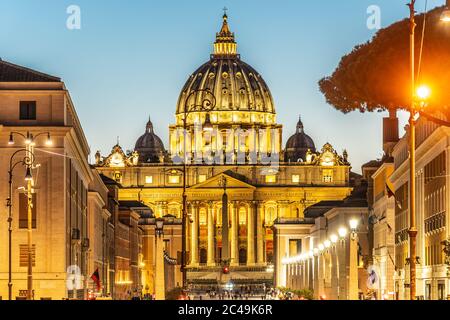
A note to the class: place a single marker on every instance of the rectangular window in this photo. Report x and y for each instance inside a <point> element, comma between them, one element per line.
<point>271,179</point>
<point>428,291</point>
<point>23,255</point>
<point>328,175</point>
<point>23,210</point>
<point>148,179</point>
<point>295,247</point>
<point>295,178</point>
<point>27,110</point>
<point>201,178</point>
<point>441,291</point>
<point>174,179</point>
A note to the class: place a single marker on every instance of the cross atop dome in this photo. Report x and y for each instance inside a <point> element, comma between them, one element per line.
<point>225,44</point>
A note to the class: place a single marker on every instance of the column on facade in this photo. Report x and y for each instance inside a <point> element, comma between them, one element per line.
<point>342,269</point>
<point>259,234</point>
<point>211,253</point>
<point>334,272</point>
<point>234,234</point>
<point>321,274</point>
<point>194,234</point>
<point>251,234</point>
<point>315,270</point>
<point>353,292</point>
<point>305,274</point>
<point>310,273</point>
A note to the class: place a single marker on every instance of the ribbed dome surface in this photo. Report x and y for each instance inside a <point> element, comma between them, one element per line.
<point>235,84</point>
<point>149,146</point>
<point>298,145</point>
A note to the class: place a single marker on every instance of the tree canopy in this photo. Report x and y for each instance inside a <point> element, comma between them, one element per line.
<point>375,76</point>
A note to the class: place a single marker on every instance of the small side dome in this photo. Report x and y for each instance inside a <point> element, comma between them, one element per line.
<point>149,146</point>
<point>298,145</point>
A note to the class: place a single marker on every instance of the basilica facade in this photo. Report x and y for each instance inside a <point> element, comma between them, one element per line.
<point>226,132</point>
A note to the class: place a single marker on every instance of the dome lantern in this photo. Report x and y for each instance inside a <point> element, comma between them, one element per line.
<point>225,44</point>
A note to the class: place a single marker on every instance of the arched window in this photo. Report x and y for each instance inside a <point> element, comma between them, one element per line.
<point>242,217</point>
<point>270,216</point>
<point>174,212</point>
<point>202,217</point>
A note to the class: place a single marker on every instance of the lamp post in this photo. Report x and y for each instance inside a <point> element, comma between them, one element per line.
<point>353,271</point>
<point>415,93</point>
<point>30,142</point>
<point>160,286</point>
<point>207,104</point>
<point>29,158</point>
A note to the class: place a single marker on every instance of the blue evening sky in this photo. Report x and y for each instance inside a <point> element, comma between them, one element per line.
<point>131,58</point>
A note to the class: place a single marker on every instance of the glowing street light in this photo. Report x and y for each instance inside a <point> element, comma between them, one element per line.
<point>49,141</point>
<point>334,238</point>
<point>423,92</point>
<point>353,225</point>
<point>342,232</point>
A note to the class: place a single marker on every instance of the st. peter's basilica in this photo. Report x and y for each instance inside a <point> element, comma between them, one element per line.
<point>268,185</point>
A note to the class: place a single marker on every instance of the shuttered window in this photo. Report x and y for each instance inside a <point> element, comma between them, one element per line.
<point>23,250</point>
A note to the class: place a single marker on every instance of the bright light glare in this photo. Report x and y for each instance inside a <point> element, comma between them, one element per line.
<point>353,224</point>
<point>342,232</point>
<point>334,238</point>
<point>445,16</point>
<point>423,92</point>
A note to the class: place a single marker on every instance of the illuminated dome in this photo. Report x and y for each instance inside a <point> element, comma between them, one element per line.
<point>149,146</point>
<point>298,145</point>
<point>240,91</point>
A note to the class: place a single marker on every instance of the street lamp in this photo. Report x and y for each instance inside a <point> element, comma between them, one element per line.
<point>159,227</point>
<point>160,285</point>
<point>30,142</point>
<point>353,226</point>
<point>28,159</point>
<point>342,233</point>
<point>423,92</point>
<point>334,238</point>
<point>208,103</point>
<point>412,232</point>
<point>28,175</point>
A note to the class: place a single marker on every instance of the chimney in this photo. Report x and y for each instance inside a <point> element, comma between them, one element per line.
<point>390,132</point>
